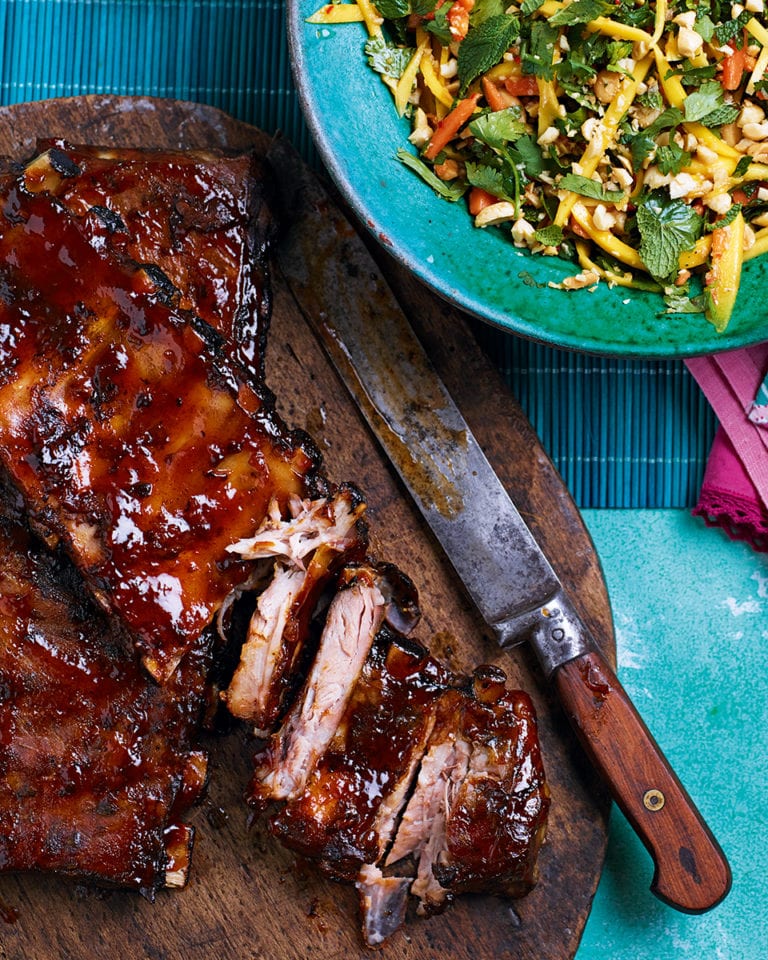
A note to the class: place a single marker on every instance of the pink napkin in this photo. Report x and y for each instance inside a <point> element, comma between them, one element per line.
<point>734,494</point>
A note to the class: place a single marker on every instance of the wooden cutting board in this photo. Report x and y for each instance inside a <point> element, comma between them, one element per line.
<point>247,898</point>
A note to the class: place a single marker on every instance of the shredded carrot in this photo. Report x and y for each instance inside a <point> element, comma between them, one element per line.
<point>494,97</point>
<point>733,67</point>
<point>479,199</point>
<point>450,125</point>
<point>522,86</point>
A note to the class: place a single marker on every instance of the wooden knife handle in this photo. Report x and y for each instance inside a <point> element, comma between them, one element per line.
<point>692,873</point>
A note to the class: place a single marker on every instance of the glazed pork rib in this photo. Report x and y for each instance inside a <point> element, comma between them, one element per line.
<point>98,763</point>
<point>394,773</point>
<point>137,428</point>
<point>198,221</point>
<point>130,437</point>
<point>317,538</point>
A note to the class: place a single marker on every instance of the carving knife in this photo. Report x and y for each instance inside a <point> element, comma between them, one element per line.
<point>383,365</point>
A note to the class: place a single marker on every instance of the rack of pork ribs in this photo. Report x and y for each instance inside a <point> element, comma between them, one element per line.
<point>148,486</point>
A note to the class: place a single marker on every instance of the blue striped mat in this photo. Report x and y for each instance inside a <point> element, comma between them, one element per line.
<point>622,434</point>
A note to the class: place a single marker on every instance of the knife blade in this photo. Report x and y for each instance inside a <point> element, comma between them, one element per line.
<point>341,293</point>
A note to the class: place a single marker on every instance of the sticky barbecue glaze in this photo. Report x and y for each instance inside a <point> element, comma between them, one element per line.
<point>199,220</point>
<point>97,761</point>
<point>340,820</point>
<point>128,434</point>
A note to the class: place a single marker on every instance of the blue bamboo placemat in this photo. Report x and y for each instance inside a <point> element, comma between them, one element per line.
<point>622,433</point>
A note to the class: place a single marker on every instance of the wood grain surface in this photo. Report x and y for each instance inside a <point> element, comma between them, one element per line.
<point>247,898</point>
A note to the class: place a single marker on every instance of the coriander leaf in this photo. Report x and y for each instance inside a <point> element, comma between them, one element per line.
<point>704,26</point>
<point>501,183</point>
<point>484,46</point>
<point>393,9</point>
<point>449,189</point>
<point>693,76</point>
<point>550,236</point>
<point>680,302</point>
<point>536,55</point>
<point>667,119</point>
<point>498,128</point>
<point>672,158</point>
<point>667,228</point>
<point>641,146</point>
<point>440,26</point>
<point>651,98</point>
<point>530,156</point>
<point>580,11</point>
<point>618,50</point>
<point>386,58</point>
<point>589,188</point>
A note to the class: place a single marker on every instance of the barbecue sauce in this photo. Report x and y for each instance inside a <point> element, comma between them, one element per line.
<point>97,766</point>
<point>131,441</point>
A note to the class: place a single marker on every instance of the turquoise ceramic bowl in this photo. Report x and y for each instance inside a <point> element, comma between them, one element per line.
<point>357,133</point>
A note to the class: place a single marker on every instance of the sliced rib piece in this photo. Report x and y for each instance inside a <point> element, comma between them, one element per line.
<point>198,221</point>
<point>477,816</point>
<point>317,538</point>
<point>347,813</point>
<point>353,620</point>
<point>129,439</point>
<point>98,763</point>
<point>496,821</point>
<point>421,833</point>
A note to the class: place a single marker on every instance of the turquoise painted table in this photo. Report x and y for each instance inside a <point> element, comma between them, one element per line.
<point>629,438</point>
<point>690,616</point>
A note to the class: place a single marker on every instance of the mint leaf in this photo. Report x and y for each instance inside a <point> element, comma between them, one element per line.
<point>727,218</point>
<point>386,58</point>
<point>484,46</point>
<point>580,11</point>
<point>448,189</point>
<point>732,29</point>
<point>527,7</point>
<point>667,228</point>
<point>727,113</point>
<point>741,167</point>
<point>550,236</point>
<point>393,9</point>
<point>485,9</point>
<point>589,188</point>
<point>498,128</point>
<point>708,106</point>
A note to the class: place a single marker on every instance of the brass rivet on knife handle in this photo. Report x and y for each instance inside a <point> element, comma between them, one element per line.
<point>653,800</point>
<point>692,873</point>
